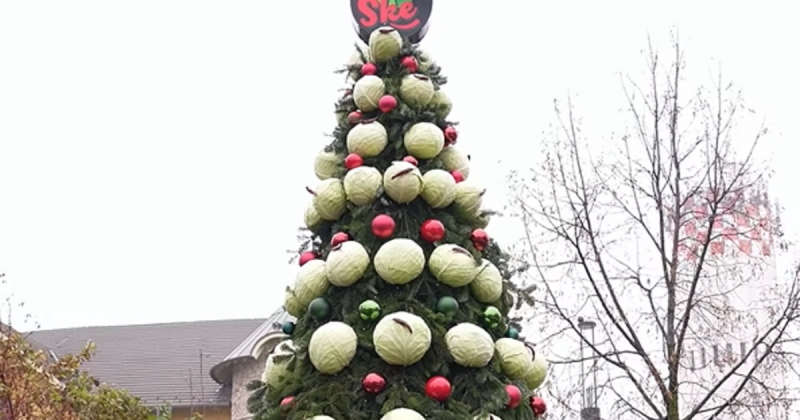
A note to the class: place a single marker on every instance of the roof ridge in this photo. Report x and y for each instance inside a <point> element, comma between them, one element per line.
<point>155,324</point>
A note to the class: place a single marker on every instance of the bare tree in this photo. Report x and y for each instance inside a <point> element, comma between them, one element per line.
<point>665,237</point>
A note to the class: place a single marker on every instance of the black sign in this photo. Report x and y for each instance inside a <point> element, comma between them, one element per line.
<point>409,17</point>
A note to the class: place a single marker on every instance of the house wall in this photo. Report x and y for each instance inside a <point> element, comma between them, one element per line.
<point>244,372</point>
<point>209,413</point>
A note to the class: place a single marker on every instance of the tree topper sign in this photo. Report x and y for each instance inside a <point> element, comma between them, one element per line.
<point>408,17</point>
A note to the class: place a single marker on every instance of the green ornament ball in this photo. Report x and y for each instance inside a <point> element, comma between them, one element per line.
<point>492,317</point>
<point>319,309</point>
<point>369,310</point>
<point>447,305</point>
<point>288,327</point>
<point>512,333</point>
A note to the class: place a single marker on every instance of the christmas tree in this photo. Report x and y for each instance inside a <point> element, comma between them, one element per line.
<point>402,301</point>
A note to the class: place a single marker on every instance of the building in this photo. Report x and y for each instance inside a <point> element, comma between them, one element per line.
<point>194,367</point>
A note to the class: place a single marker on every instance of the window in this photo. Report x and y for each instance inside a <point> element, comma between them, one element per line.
<point>729,352</point>
<point>691,359</point>
<point>743,350</point>
<point>716,354</point>
<point>703,356</point>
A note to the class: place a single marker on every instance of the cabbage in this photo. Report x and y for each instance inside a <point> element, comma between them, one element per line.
<point>327,165</point>
<point>401,338</point>
<point>452,265</point>
<point>487,287</point>
<point>416,90</point>
<point>293,305</point>
<point>515,359</point>
<point>424,140</point>
<point>469,198</point>
<point>438,188</point>
<point>311,282</point>
<point>362,185</point>
<point>425,60</point>
<point>486,417</point>
<point>402,182</point>
<point>355,59</point>
<point>311,217</point>
<point>367,92</point>
<point>274,371</point>
<point>322,418</point>
<point>347,263</point>
<point>399,261</point>
<point>332,347</point>
<point>454,160</point>
<point>470,345</point>
<point>385,43</point>
<point>537,373</point>
<point>402,414</point>
<point>441,104</point>
<point>329,199</point>
<point>367,139</point>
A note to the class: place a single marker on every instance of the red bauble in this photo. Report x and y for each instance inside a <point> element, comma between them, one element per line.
<point>480,239</point>
<point>432,230</point>
<point>354,117</point>
<point>353,161</point>
<point>369,69</point>
<point>457,175</point>
<point>286,402</point>
<point>307,256</point>
<point>410,63</point>
<point>339,238</point>
<point>411,159</point>
<point>383,226</point>
<point>438,388</point>
<point>373,383</point>
<point>450,135</point>
<point>514,396</point>
<point>387,103</point>
<point>538,406</point>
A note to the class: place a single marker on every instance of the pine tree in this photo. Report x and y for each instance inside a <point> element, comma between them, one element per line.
<point>402,302</point>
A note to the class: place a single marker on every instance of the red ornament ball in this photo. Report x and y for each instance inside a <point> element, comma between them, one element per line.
<point>538,406</point>
<point>410,63</point>
<point>438,388</point>
<point>411,159</point>
<point>307,256</point>
<point>450,135</point>
<point>339,238</point>
<point>286,402</point>
<point>387,103</point>
<point>457,175</point>
<point>480,239</point>
<point>369,69</point>
<point>383,226</point>
<point>353,161</point>
<point>514,396</point>
<point>354,117</point>
<point>432,230</point>
<point>373,383</point>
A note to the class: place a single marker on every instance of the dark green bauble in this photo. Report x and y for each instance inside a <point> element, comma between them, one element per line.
<point>447,305</point>
<point>369,310</point>
<point>512,332</point>
<point>492,317</point>
<point>288,327</point>
<point>319,309</point>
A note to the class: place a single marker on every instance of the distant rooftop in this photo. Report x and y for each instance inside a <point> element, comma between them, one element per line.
<point>160,363</point>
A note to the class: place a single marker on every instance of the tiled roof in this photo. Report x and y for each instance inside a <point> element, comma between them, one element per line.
<point>248,348</point>
<point>160,363</point>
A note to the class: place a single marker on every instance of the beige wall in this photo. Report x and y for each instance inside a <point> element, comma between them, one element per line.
<point>244,372</point>
<point>210,413</point>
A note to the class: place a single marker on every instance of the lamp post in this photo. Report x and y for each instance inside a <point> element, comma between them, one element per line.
<point>589,409</point>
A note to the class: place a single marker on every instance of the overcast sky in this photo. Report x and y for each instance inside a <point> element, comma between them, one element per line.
<point>154,154</point>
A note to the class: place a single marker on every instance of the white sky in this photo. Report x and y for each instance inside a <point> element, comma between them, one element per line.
<point>154,154</point>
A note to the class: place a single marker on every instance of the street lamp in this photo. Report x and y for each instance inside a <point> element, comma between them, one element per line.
<point>589,410</point>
